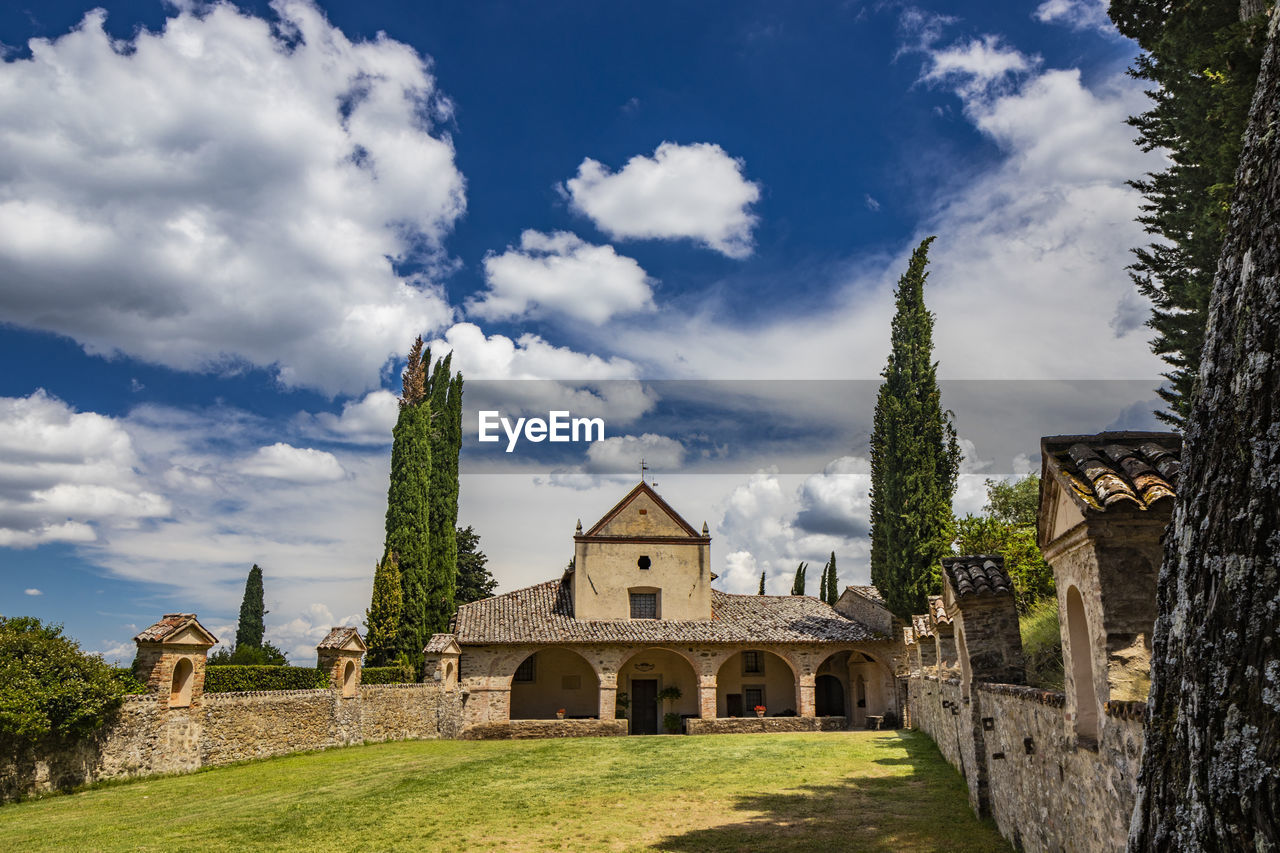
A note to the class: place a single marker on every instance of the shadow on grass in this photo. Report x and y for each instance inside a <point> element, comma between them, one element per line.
<point>926,809</point>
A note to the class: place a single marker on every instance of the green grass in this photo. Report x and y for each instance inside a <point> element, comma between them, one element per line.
<point>873,791</point>
<point>1042,644</point>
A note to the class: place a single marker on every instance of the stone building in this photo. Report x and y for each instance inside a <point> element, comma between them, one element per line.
<point>636,614</point>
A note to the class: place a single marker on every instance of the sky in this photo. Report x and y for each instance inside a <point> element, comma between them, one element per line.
<point>221,227</point>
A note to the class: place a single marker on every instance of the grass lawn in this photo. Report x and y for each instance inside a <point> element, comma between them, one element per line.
<point>874,791</point>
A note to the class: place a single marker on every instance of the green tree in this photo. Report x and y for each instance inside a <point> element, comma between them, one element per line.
<point>266,654</point>
<point>250,628</point>
<point>382,619</point>
<point>833,582</point>
<point>48,687</point>
<point>474,579</point>
<point>914,456</point>
<point>761,590</point>
<point>409,507</point>
<point>1203,58</point>
<point>444,391</point>
<point>1009,529</point>
<point>797,586</point>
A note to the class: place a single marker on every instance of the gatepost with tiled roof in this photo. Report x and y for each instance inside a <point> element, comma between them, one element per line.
<point>977,589</point>
<point>171,658</point>
<point>1105,502</point>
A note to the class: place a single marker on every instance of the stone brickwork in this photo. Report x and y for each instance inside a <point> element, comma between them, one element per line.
<point>1044,792</point>
<point>149,737</point>
<point>528,729</point>
<point>745,725</point>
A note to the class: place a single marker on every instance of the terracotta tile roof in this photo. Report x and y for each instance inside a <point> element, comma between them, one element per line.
<point>938,610</point>
<point>171,624</point>
<point>920,624</point>
<point>981,574</point>
<point>908,636</point>
<point>440,643</point>
<point>544,614</point>
<point>1115,469</point>
<point>867,591</point>
<point>338,637</point>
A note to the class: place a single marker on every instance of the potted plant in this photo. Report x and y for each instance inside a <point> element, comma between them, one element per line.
<point>670,721</point>
<point>623,702</point>
<point>760,710</point>
<point>560,714</point>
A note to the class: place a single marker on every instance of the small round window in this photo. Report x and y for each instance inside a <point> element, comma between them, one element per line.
<point>644,562</point>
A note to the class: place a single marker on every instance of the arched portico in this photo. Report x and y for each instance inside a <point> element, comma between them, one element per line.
<point>868,687</point>
<point>554,679</point>
<point>643,675</point>
<point>754,677</point>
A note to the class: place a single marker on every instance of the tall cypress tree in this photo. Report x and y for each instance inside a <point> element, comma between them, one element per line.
<point>797,585</point>
<point>761,590</point>
<point>383,616</point>
<point>1203,58</point>
<point>445,394</point>
<point>914,456</point>
<point>833,582</point>
<point>408,505</point>
<point>250,629</point>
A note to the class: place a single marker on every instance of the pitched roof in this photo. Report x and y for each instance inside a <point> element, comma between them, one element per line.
<point>642,488</point>
<point>544,614</point>
<point>171,625</point>
<point>339,637</point>
<point>938,610</point>
<point>440,644</point>
<point>920,624</point>
<point>868,592</point>
<point>1114,469</point>
<point>981,574</point>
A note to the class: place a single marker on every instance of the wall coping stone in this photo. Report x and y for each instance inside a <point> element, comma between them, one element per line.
<point>1131,710</point>
<point>1052,698</point>
<point>243,694</point>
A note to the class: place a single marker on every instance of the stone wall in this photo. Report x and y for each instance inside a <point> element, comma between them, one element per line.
<point>743,725</point>
<point>1026,771</point>
<point>148,737</point>
<point>525,729</point>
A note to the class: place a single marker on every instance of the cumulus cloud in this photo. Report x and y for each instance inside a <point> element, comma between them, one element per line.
<point>622,454</point>
<point>837,501</point>
<point>368,420</point>
<point>1076,14</point>
<point>302,465</point>
<point>32,591</point>
<point>561,275</point>
<point>695,192</point>
<point>63,473</point>
<point>268,181</point>
<point>976,65</point>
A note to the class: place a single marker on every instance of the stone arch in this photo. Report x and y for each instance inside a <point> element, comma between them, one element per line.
<point>1081,648</point>
<point>644,671</point>
<point>776,684</point>
<point>545,681</point>
<point>349,679</point>
<point>181,683</point>
<point>872,688</point>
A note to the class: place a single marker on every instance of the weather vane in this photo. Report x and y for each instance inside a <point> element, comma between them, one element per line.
<point>643,468</point>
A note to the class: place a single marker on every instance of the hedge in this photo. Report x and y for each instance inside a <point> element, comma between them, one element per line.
<point>235,679</point>
<point>130,684</point>
<point>385,675</point>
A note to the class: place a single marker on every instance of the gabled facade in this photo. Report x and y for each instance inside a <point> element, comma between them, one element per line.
<point>636,618</point>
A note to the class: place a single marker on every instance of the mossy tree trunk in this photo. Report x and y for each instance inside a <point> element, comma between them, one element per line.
<point>1210,777</point>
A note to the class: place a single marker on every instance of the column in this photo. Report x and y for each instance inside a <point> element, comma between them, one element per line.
<point>808,703</point>
<point>707,696</point>
<point>608,695</point>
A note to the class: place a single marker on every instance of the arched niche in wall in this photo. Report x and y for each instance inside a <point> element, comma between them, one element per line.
<point>1086,697</point>
<point>180,686</point>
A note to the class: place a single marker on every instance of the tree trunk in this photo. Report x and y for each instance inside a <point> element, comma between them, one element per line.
<point>1210,775</point>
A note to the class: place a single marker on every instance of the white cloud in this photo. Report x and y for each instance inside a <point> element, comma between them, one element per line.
<point>1076,14</point>
<point>32,591</point>
<point>266,182</point>
<point>622,454</point>
<point>693,191</point>
<point>976,65</point>
<point>368,420</point>
<point>304,465</point>
<point>62,472</point>
<point>560,274</point>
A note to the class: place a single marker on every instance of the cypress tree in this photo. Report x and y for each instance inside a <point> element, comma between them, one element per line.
<point>250,628</point>
<point>408,505</point>
<point>797,586</point>
<point>1203,59</point>
<point>833,583</point>
<point>445,395</point>
<point>822,583</point>
<point>914,456</point>
<point>761,590</point>
<point>383,616</point>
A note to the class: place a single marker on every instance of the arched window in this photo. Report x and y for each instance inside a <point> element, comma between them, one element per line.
<point>349,679</point>
<point>180,688</point>
<point>1082,667</point>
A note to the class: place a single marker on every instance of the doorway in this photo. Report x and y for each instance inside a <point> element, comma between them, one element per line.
<point>644,706</point>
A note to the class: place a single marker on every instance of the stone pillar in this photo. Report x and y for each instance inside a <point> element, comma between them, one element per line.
<point>808,697</point>
<point>339,654</point>
<point>608,695</point>
<point>707,696</point>
<point>978,593</point>
<point>442,657</point>
<point>171,658</point>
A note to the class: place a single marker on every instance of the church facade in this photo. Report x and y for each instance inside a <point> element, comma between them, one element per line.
<point>634,630</point>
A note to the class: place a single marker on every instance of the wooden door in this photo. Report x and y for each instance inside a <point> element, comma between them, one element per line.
<point>644,706</point>
<point>733,704</point>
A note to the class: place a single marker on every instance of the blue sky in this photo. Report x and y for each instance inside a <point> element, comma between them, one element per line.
<point>221,226</point>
